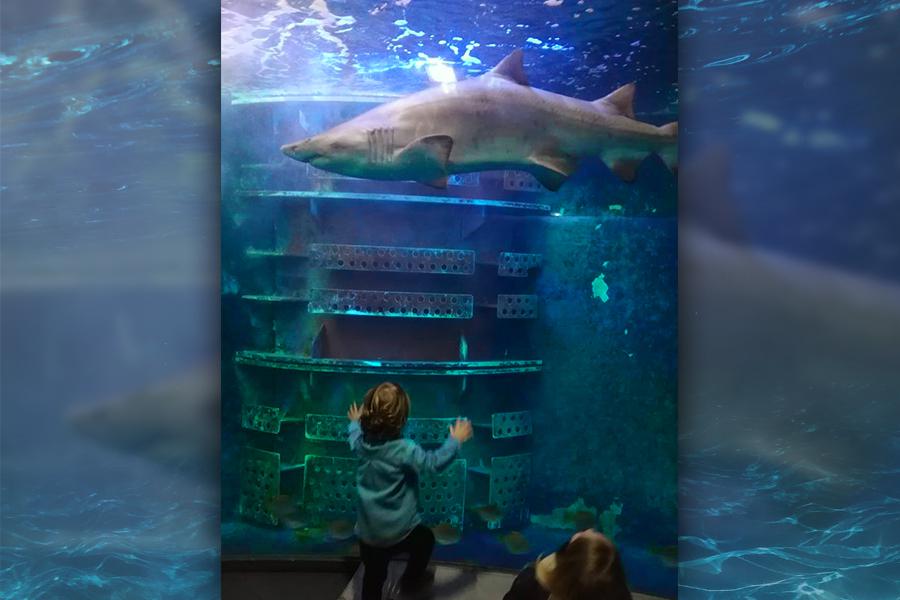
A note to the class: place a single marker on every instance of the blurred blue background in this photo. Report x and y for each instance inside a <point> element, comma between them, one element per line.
<point>108,299</point>
<point>789,301</point>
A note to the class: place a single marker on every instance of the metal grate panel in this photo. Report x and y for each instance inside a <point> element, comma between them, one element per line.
<point>442,496</point>
<point>261,418</point>
<point>329,485</point>
<point>520,181</point>
<point>334,428</point>
<point>260,481</point>
<point>420,305</point>
<point>516,306</point>
<point>517,264</point>
<point>511,424</point>
<point>464,179</point>
<point>441,261</point>
<point>427,431</point>
<point>510,477</point>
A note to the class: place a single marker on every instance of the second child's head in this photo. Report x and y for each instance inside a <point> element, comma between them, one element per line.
<point>384,412</point>
<point>587,567</point>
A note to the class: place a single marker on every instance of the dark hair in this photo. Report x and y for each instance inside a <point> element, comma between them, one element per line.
<point>588,568</point>
<point>384,413</point>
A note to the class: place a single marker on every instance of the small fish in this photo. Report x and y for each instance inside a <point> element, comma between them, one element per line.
<point>488,512</point>
<point>463,348</point>
<point>515,542</point>
<point>308,534</point>
<point>667,554</point>
<point>341,529</point>
<point>446,534</point>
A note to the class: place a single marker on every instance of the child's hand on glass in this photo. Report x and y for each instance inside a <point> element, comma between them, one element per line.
<point>355,412</point>
<point>461,431</point>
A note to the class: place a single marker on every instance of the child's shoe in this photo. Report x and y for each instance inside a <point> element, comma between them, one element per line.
<point>419,589</point>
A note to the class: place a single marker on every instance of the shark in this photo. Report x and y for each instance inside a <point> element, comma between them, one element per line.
<point>173,422</point>
<point>492,122</point>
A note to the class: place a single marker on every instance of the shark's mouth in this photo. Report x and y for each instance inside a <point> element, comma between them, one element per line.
<point>296,152</point>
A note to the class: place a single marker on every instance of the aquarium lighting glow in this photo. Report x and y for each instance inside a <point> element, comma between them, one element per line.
<point>440,72</point>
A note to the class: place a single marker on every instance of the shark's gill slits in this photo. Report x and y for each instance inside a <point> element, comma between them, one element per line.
<point>381,146</point>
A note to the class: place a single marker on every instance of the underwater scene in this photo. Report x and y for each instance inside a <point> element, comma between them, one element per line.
<point>474,201</point>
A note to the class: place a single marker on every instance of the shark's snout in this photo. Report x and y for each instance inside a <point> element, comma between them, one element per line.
<point>302,151</point>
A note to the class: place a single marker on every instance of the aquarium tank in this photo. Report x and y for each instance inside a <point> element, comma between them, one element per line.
<point>545,316</point>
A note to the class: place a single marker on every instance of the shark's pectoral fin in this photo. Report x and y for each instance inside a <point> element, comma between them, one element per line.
<point>432,150</point>
<point>427,157</point>
<point>552,170</point>
<point>621,100</point>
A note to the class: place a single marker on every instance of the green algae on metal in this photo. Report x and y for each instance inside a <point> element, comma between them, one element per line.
<point>600,288</point>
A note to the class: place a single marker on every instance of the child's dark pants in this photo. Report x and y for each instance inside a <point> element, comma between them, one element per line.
<point>419,544</point>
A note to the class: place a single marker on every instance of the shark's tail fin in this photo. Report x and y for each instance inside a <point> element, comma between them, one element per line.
<point>669,154</point>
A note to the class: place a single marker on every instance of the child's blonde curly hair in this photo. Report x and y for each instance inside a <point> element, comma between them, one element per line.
<point>384,412</point>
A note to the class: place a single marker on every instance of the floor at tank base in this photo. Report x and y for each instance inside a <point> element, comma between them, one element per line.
<point>450,583</point>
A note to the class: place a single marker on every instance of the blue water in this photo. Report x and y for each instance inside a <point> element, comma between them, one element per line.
<point>789,446</point>
<point>108,231</point>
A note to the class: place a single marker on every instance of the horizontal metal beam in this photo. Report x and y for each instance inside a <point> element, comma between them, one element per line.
<point>294,362</point>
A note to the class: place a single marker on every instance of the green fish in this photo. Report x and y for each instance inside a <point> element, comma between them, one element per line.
<point>515,542</point>
<point>340,529</point>
<point>488,512</point>
<point>446,534</point>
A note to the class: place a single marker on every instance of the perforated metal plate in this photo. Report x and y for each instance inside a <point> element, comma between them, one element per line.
<point>442,496</point>
<point>329,489</point>
<point>329,485</point>
<point>516,306</point>
<point>517,264</point>
<point>510,477</point>
<point>520,181</point>
<point>511,424</point>
<point>427,431</point>
<point>420,305</point>
<point>260,482</point>
<point>441,261</point>
<point>261,418</point>
<point>464,179</point>
<point>334,428</point>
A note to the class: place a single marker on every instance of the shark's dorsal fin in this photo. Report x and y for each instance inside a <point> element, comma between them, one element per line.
<point>511,68</point>
<point>621,100</point>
